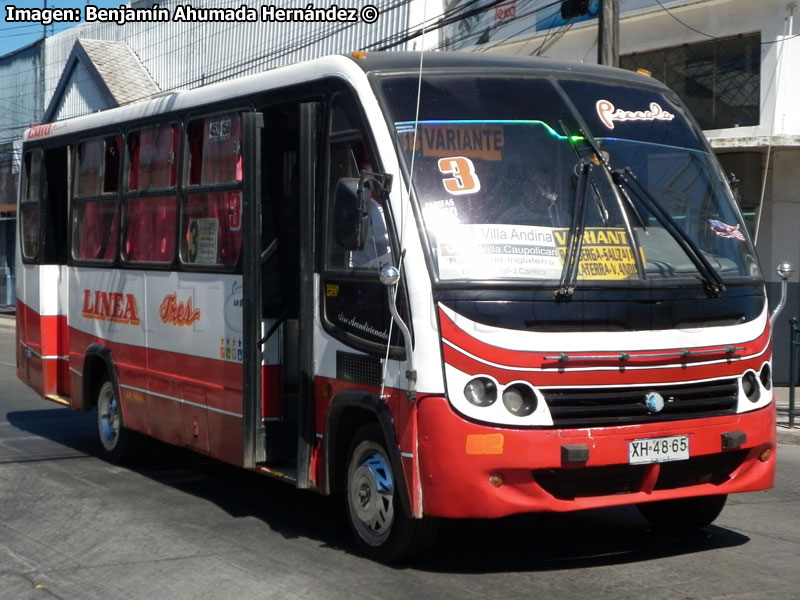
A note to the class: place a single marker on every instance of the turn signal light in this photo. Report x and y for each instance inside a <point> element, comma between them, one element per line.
<point>496,479</point>
<point>765,455</point>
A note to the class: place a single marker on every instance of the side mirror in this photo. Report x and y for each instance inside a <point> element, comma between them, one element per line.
<point>351,214</point>
<point>784,271</point>
<point>389,275</point>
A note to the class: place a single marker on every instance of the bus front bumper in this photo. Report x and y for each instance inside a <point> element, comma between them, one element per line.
<point>473,470</point>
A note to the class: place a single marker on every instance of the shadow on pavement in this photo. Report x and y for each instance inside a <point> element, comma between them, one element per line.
<point>537,542</point>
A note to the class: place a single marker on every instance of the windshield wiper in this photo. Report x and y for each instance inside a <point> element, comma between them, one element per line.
<point>581,161</point>
<point>621,196</point>
<point>569,272</point>
<point>713,281</point>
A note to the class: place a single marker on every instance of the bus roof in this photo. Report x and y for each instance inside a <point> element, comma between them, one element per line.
<point>410,62</point>
<point>346,66</point>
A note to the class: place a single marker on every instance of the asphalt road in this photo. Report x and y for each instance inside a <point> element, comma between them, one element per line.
<point>179,526</point>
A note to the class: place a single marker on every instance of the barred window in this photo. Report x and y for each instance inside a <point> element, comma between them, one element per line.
<point>720,80</point>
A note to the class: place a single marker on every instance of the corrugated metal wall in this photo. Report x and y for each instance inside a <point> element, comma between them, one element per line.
<point>21,101</point>
<point>81,96</point>
<point>188,55</point>
<point>21,104</point>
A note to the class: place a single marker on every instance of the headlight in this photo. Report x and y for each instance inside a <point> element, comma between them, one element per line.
<point>519,400</point>
<point>750,386</point>
<point>766,376</point>
<point>481,391</point>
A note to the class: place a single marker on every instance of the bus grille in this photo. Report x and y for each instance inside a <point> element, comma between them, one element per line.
<point>568,484</point>
<point>624,406</point>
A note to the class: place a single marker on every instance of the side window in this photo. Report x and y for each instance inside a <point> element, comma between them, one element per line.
<point>215,145</point>
<point>95,212</point>
<point>211,226</point>
<point>348,158</point>
<point>354,301</point>
<point>31,204</point>
<point>152,158</point>
<point>150,204</point>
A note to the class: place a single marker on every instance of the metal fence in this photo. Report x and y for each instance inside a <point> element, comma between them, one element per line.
<point>794,350</point>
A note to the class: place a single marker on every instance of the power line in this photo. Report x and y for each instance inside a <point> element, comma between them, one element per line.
<point>666,10</point>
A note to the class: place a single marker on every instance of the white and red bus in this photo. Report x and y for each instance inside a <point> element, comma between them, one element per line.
<point>450,286</point>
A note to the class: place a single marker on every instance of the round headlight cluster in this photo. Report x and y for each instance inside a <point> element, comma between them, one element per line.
<point>766,376</point>
<point>750,386</point>
<point>518,398</point>
<point>481,391</point>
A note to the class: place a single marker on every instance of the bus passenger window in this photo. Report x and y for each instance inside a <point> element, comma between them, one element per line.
<point>150,228</point>
<point>31,204</point>
<point>215,150</point>
<point>211,231</point>
<point>98,167</point>
<point>150,220</point>
<point>152,158</point>
<point>94,230</point>
<point>95,214</point>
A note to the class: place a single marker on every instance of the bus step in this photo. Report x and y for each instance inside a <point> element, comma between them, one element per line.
<point>62,400</point>
<point>284,472</point>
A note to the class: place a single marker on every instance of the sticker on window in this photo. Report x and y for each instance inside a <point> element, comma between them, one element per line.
<point>608,113</point>
<point>530,252</point>
<point>724,230</point>
<point>219,129</point>
<point>202,247</point>
<point>606,253</point>
<point>498,251</point>
<point>463,178</point>
<point>439,141</point>
<point>235,212</point>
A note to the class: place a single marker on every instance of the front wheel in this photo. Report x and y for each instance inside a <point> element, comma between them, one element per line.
<point>119,444</point>
<point>380,526</point>
<point>683,514</point>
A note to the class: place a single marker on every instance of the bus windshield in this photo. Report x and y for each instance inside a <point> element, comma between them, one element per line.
<point>515,174</point>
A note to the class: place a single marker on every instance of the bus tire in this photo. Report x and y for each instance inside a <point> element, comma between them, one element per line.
<point>381,528</point>
<point>117,443</point>
<point>683,514</point>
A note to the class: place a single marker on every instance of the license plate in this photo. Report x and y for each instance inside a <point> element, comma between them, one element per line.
<point>656,450</point>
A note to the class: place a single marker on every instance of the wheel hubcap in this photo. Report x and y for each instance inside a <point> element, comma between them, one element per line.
<point>372,493</point>
<point>108,416</point>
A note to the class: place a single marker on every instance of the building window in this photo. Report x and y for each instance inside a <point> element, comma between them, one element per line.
<point>719,80</point>
<point>744,172</point>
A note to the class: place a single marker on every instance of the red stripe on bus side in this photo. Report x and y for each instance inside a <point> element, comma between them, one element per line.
<point>165,372</point>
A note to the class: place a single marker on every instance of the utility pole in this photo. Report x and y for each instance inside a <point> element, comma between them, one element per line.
<point>608,33</point>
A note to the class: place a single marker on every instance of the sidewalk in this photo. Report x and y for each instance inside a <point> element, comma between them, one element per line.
<point>786,435</point>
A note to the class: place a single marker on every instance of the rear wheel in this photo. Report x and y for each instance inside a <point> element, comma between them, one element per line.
<point>380,526</point>
<point>119,444</point>
<point>684,513</point>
